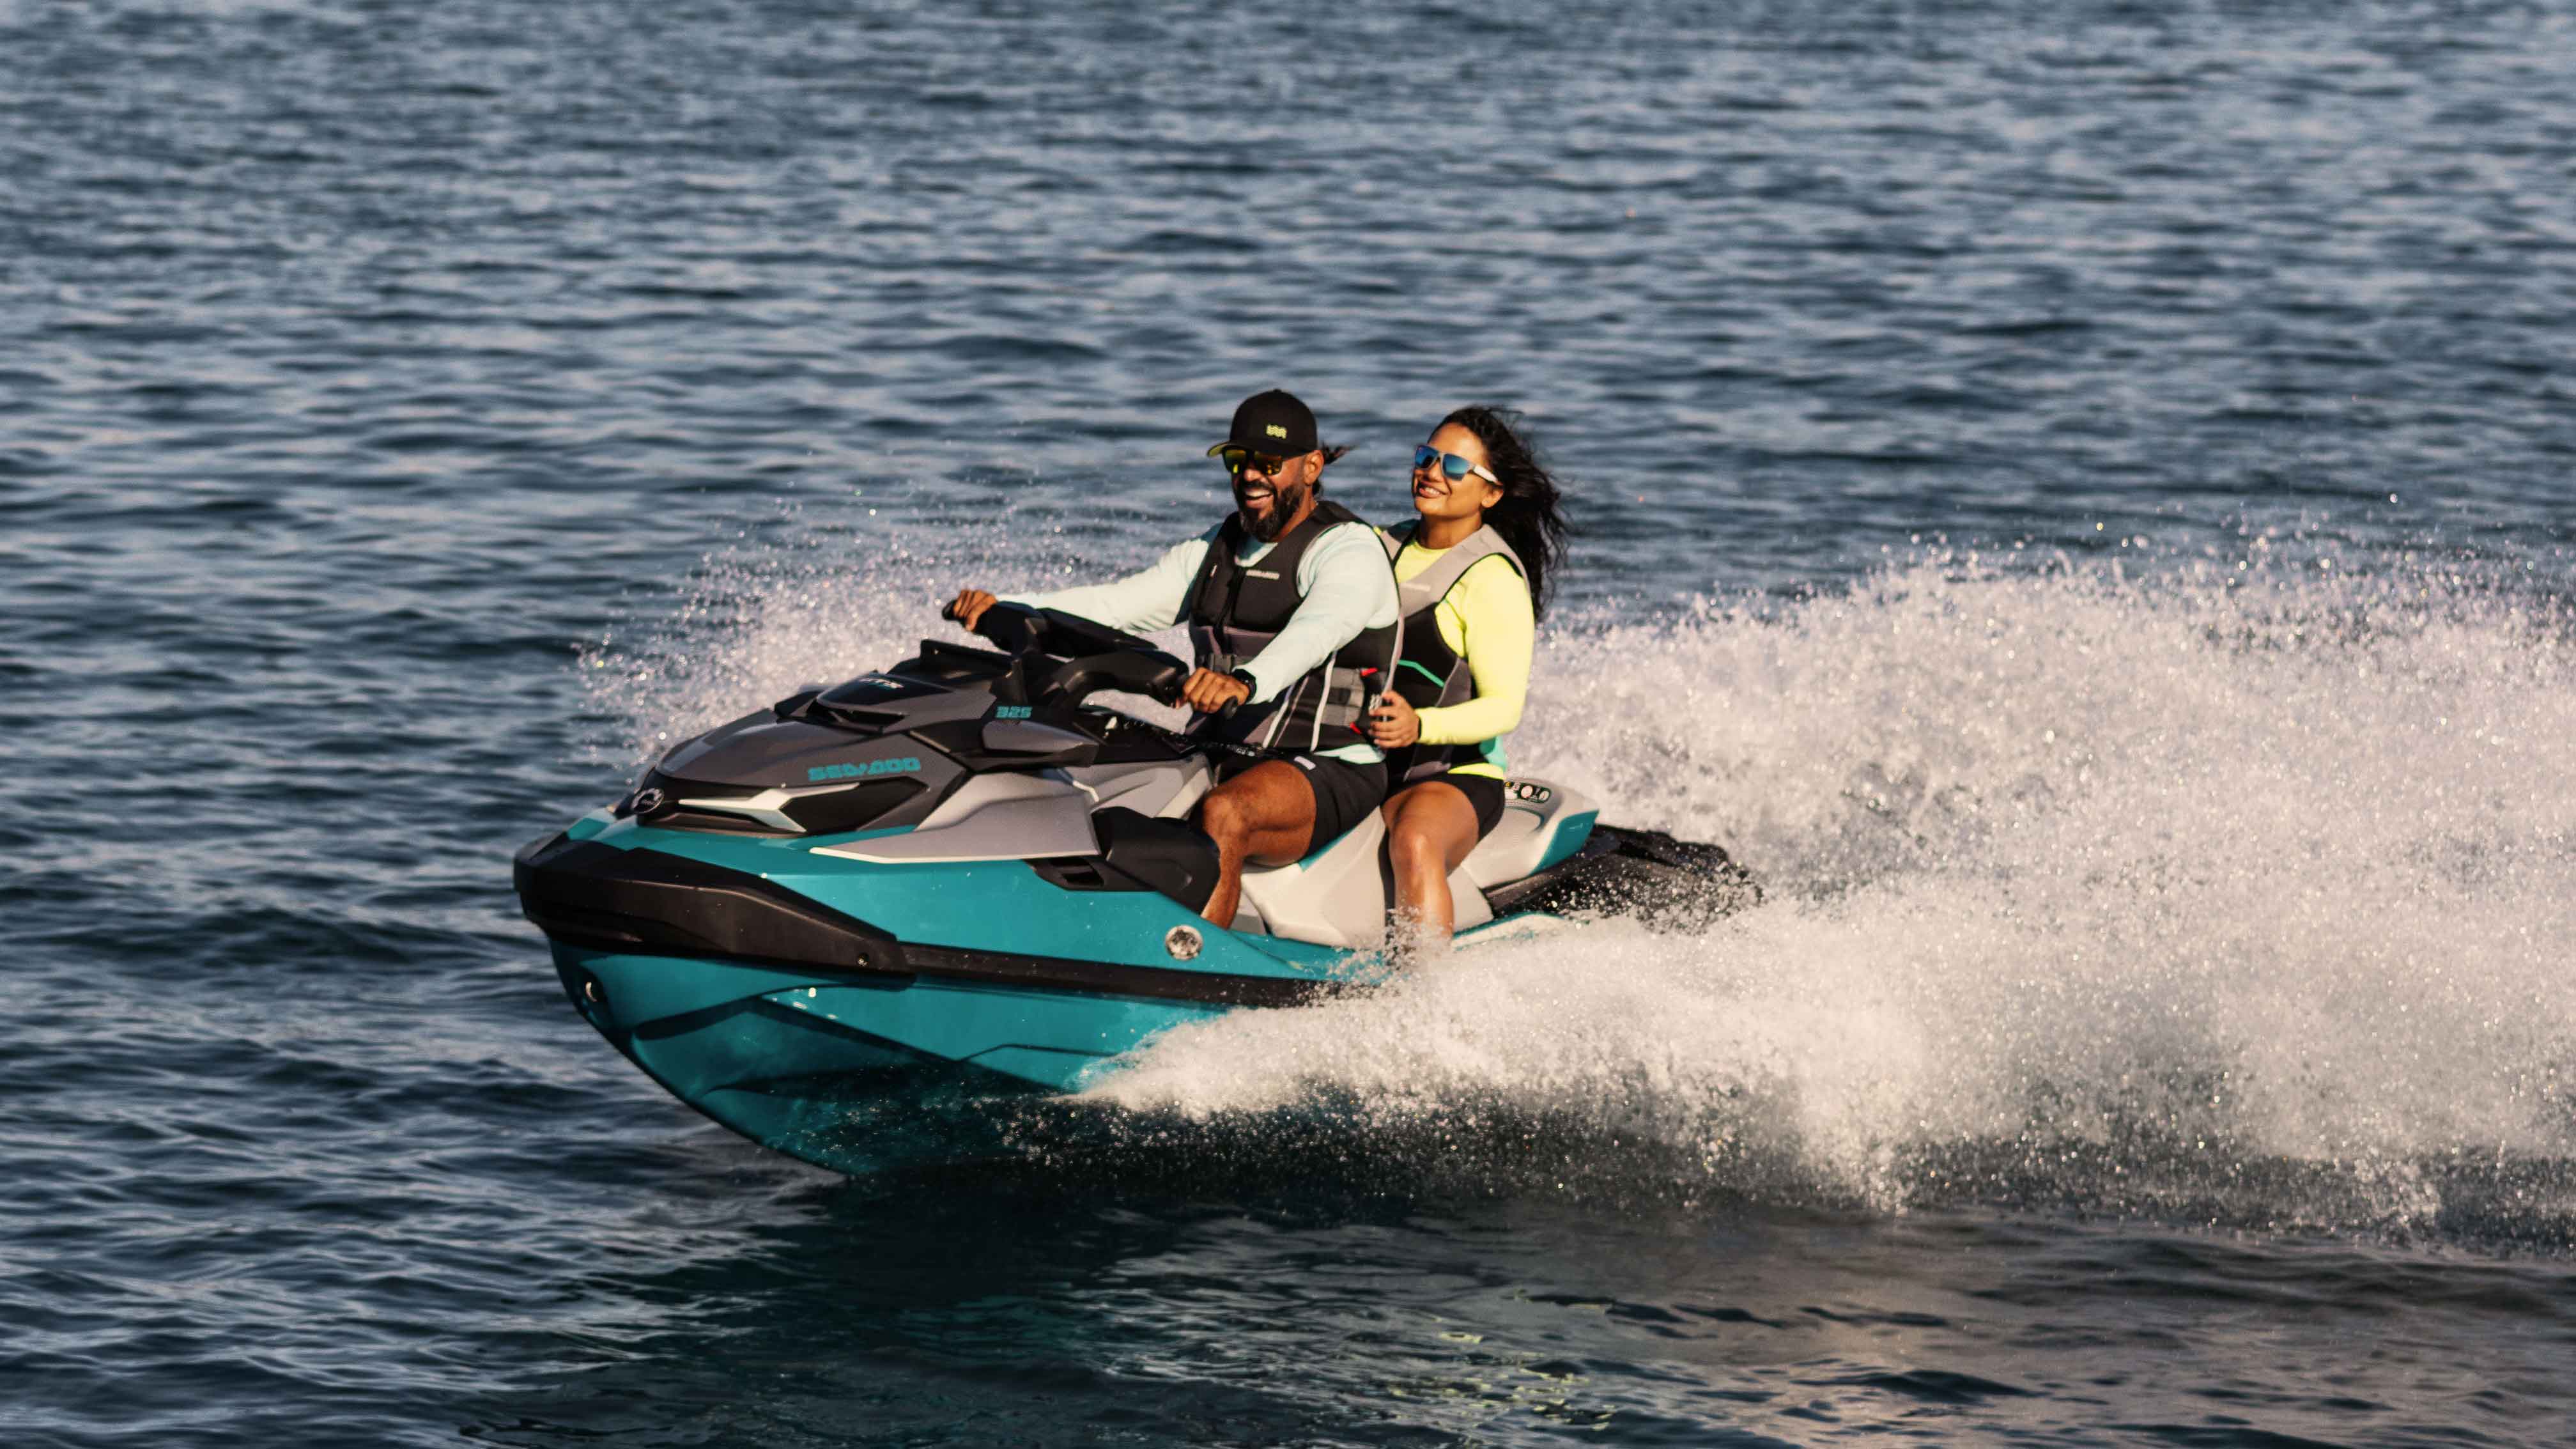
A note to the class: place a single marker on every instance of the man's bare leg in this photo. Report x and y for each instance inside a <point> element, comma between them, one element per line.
<point>1266,815</point>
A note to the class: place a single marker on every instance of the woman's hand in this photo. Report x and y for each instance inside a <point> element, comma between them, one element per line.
<point>970,606</point>
<point>1393,724</point>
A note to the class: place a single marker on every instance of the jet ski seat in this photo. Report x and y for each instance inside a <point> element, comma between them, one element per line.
<point>1337,895</point>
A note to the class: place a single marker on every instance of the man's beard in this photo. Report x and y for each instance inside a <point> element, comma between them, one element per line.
<point>1285,500</point>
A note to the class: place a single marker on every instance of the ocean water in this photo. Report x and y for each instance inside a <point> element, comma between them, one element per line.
<point>2081,497</point>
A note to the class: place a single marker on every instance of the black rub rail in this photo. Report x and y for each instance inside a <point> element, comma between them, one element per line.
<point>648,903</point>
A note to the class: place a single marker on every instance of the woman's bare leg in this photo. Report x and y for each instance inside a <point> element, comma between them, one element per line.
<point>1430,830</point>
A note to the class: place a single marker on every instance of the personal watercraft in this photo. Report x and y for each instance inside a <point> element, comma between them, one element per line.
<point>959,878</point>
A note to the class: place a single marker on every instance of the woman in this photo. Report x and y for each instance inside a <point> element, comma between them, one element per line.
<point>1471,576</point>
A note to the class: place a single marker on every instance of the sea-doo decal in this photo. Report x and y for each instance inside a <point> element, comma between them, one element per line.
<point>908,765</point>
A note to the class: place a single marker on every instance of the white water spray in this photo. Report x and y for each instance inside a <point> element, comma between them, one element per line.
<point>2281,869</point>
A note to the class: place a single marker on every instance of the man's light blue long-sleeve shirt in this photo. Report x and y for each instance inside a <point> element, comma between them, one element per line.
<point>1343,581</point>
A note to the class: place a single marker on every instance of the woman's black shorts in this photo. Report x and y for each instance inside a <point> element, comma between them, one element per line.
<point>1482,791</point>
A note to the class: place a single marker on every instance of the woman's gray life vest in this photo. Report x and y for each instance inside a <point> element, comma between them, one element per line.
<point>1236,610</point>
<point>1428,674</point>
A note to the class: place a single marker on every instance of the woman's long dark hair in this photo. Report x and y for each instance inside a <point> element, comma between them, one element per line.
<point>1527,516</point>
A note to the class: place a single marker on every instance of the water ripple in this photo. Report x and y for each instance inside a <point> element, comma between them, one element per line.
<point>412,413</point>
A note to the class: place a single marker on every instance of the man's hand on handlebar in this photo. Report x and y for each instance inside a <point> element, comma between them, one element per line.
<point>1208,691</point>
<point>969,606</point>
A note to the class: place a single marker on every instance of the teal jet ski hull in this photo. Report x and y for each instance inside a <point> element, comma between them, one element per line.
<point>854,1078</point>
<point>906,1043</point>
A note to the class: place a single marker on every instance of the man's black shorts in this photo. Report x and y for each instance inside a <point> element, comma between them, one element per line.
<point>1345,793</point>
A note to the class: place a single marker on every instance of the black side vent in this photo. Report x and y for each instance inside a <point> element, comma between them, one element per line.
<point>854,809</point>
<point>1139,853</point>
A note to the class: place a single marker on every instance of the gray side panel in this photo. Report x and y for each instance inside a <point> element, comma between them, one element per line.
<point>1165,790</point>
<point>991,817</point>
<point>1520,840</point>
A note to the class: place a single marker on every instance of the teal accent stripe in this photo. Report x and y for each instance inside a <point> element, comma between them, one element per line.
<point>1418,667</point>
<point>1572,833</point>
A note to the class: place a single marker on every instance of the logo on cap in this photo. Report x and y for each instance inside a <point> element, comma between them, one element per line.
<point>1274,430</point>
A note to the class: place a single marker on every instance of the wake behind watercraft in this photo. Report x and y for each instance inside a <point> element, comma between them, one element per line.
<point>957,878</point>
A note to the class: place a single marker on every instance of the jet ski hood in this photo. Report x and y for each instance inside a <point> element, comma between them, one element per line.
<point>880,751</point>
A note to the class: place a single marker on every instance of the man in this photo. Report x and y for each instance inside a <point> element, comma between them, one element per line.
<point>1292,614</point>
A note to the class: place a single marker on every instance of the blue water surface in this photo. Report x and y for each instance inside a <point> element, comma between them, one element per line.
<point>2141,430</point>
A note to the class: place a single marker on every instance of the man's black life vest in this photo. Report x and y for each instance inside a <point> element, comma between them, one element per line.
<point>1428,673</point>
<point>1235,611</point>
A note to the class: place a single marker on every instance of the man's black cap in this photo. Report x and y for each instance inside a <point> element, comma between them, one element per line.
<point>1272,422</point>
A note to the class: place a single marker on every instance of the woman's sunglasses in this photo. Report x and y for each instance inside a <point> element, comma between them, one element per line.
<point>1456,467</point>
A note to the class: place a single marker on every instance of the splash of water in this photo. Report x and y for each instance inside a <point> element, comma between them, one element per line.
<point>2175,880</point>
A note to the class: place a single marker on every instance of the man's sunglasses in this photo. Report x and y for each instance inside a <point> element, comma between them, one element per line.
<point>1450,463</point>
<point>1244,460</point>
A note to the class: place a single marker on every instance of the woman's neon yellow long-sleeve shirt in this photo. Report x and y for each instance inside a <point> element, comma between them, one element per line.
<point>1487,620</point>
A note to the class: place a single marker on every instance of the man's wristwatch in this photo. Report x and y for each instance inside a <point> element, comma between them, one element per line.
<point>1251,687</point>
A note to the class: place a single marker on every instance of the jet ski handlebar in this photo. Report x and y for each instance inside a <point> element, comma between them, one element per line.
<point>1014,628</point>
<point>1155,675</point>
<point>1095,657</point>
<point>1019,629</point>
